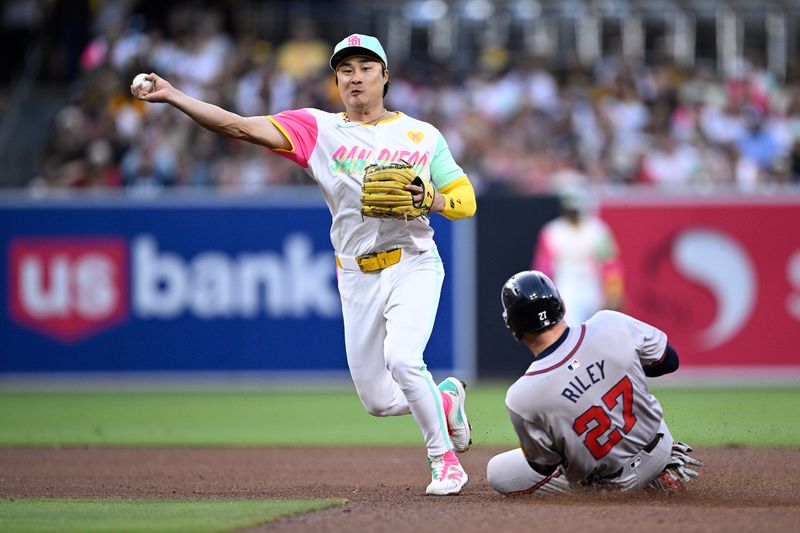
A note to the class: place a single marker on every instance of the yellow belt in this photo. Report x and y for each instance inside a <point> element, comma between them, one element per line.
<point>376,261</point>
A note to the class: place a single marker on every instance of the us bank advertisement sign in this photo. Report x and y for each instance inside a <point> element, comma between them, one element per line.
<point>720,277</point>
<point>140,287</point>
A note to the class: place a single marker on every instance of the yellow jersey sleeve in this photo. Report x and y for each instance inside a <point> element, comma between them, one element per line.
<point>459,199</point>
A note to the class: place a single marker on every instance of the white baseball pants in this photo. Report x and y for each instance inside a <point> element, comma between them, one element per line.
<point>388,319</point>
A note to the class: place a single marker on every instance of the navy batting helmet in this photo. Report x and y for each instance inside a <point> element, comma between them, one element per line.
<point>531,303</point>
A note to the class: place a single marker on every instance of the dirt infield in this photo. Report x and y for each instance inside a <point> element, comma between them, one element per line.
<point>741,489</point>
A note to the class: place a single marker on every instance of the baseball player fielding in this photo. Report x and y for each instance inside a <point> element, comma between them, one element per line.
<point>389,270</point>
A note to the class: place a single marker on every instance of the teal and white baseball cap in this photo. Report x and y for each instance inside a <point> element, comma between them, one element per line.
<point>358,44</point>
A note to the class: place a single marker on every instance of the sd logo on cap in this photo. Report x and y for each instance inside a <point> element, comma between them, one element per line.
<point>358,44</point>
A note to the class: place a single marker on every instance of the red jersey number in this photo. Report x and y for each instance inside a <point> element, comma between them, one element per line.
<point>622,390</point>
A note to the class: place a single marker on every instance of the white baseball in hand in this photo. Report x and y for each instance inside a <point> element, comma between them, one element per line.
<point>143,85</point>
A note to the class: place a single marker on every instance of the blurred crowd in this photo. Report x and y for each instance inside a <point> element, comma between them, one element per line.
<point>515,123</point>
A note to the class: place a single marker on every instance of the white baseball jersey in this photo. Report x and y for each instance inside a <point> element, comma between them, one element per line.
<point>388,314</point>
<point>574,256</point>
<point>585,405</point>
<point>334,152</point>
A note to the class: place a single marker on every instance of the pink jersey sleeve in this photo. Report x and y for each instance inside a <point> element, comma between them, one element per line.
<point>300,127</point>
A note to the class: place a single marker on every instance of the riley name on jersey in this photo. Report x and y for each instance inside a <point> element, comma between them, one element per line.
<point>592,375</point>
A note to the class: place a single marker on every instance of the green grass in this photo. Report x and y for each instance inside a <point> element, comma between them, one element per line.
<point>200,516</point>
<point>196,418</point>
<point>752,417</point>
<point>748,417</point>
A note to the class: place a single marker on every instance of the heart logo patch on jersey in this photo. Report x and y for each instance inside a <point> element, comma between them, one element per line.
<point>416,136</point>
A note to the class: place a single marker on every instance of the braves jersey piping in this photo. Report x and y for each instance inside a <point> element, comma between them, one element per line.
<point>568,356</point>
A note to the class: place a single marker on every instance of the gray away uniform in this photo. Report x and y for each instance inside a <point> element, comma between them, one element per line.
<point>583,414</point>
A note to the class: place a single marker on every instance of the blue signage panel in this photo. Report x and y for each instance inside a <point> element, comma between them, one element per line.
<point>133,286</point>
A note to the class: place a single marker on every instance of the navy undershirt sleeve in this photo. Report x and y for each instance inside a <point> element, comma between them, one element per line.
<point>667,365</point>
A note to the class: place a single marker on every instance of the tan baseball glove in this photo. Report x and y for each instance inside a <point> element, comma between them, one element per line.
<point>384,193</point>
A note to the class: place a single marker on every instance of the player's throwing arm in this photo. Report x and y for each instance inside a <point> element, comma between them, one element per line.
<point>155,89</point>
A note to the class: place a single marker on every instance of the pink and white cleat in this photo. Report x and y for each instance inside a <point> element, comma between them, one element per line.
<point>458,426</point>
<point>447,475</point>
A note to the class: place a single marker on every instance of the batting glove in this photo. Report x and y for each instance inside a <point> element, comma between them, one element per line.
<point>680,459</point>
